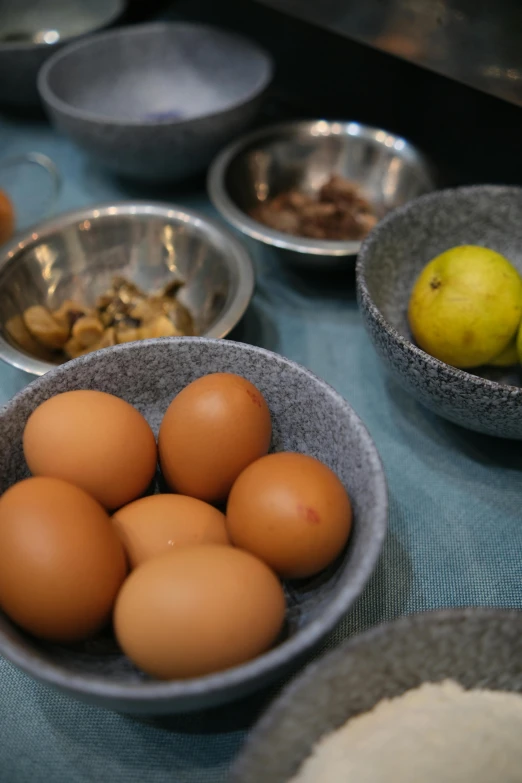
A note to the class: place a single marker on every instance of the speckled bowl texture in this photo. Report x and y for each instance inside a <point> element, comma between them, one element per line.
<point>155,101</point>
<point>478,648</point>
<point>308,416</point>
<point>20,60</point>
<point>387,267</point>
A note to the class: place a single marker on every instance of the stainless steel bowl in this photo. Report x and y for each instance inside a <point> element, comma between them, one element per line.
<point>303,155</point>
<point>76,255</point>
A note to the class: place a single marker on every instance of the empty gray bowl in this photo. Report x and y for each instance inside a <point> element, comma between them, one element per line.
<point>155,101</point>
<point>304,155</point>
<point>307,415</point>
<point>31,31</point>
<point>387,267</point>
<point>77,254</point>
<point>478,648</point>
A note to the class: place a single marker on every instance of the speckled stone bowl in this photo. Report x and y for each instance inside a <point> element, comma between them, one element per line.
<point>307,415</point>
<point>155,101</point>
<point>479,648</point>
<point>387,267</point>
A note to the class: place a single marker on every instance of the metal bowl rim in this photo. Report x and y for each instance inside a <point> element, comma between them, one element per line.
<point>238,258</point>
<point>221,200</point>
<point>132,31</point>
<point>303,641</point>
<point>119,8</point>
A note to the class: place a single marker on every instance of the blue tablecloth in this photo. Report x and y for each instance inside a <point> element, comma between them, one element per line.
<point>455,524</point>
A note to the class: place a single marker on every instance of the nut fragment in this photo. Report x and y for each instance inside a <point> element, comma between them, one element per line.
<point>171,289</point>
<point>367,222</point>
<point>73,349</point>
<point>122,314</point>
<point>160,327</point>
<point>69,312</point>
<point>44,328</point>
<point>120,297</point>
<point>127,334</point>
<point>338,212</point>
<point>108,339</point>
<point>147,309</point>
<point>180,317</point>
<point>88,330</point>
<point>19,333</point>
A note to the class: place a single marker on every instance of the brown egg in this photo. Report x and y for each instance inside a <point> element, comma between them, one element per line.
<point>61,562</point>
<point>152,526</point>
<point>291,511</point>
<point>7,218</point>
<point>198,610</point>
<point>94,440</point>
<point>211,431</point>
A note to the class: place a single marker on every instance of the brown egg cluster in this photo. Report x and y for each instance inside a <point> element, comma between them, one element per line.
<point>189,578</point>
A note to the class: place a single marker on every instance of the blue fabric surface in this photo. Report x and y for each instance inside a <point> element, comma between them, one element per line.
<point>455,524</point>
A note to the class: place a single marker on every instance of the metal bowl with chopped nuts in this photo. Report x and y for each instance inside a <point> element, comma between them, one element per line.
<point>315,189</point>
<point>117,273</point>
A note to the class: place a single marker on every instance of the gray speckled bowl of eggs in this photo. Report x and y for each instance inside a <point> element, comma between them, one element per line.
<point>308,416</point>
<point>387,267</point>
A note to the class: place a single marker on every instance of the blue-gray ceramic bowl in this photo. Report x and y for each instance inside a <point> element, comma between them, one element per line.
<point>31,31</point>
<point>478,648</point>
<point>387,267</point>
<point>307,415</point>
<point>155,101</point>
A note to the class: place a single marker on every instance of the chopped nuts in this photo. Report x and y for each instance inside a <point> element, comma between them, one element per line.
<point>88,330</point>
<point>43,327</point>
<point>108,339</point>
<point>147,309</point>
<point>18,332</point>
<point>160,327</point>
<point>69,312</point>
<point>122,314</point>
<point>339,212</point>
<point>73,349</point>
<point>126,333</point>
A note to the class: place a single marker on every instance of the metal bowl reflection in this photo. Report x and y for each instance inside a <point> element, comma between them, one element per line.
<point>303,155</point>
<point>76,256</point>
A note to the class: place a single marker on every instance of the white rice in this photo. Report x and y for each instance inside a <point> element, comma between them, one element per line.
<point>438,733</point>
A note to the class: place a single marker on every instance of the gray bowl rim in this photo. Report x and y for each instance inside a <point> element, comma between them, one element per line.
<point>238,254</point>
<point>291,694</point>
<point>218,193</point>
<point>119,8</point>
<point>303,641</point>
<point>446,372</point>
<point>133,31</point>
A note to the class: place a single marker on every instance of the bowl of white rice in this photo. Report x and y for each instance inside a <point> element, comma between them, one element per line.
<point>428,698</point>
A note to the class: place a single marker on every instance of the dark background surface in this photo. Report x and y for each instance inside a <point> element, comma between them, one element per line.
<point>470,136</point>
